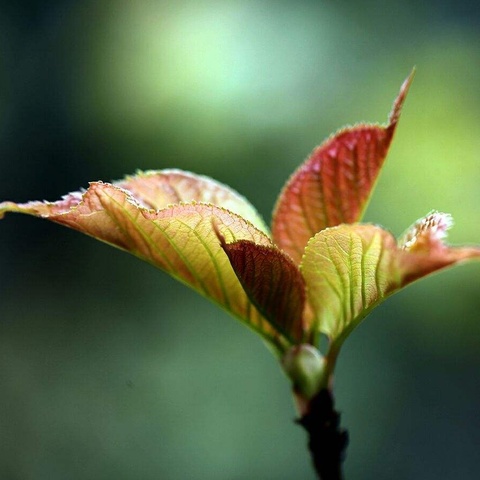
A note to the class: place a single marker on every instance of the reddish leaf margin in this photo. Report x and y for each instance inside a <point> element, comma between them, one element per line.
<point>334,184</point>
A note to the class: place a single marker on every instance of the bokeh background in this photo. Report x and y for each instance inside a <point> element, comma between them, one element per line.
<point>109,369</point>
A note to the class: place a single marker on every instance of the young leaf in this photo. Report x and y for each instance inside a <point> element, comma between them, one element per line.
<point>334,184</point>
<point>273,283</point>
<point>424,250</point>
<point>178,239</point>
<point>349,269</point>
<point>160,188</point>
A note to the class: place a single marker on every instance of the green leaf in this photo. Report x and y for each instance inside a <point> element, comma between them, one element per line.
<point>349,269</point>
<point>179,239</point>
<point>273,283</point>
<point>335,183</point>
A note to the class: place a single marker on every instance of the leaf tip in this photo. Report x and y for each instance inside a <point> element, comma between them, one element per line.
<point>4,208</point>
<point>424,250</point>
<point>399,101</point>
<point>427,233</point>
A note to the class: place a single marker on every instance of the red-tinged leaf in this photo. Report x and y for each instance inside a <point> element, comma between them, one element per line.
<point>349,269</point>
<point>273,283</point>
<point>424,250</point>
<point>334,184</point>
<point>178,239</point>
<point>158,189</point>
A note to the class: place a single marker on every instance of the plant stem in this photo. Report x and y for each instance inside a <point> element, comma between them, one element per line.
<point>327,441</point>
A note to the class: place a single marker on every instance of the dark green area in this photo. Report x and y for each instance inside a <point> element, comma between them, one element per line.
<point>111,370</point>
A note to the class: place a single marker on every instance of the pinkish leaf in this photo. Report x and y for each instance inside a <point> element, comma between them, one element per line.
<point>349,269</point>
<point>334,184</point>
<point>273,283</point>
<point>160,188</point>
<point>178,239</point>
<point>424,250</point>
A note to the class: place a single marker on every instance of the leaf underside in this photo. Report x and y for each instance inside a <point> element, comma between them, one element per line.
<point>179,238</point>
<point>273,283</point>
<point>334,184</point>
<point>349,269</point>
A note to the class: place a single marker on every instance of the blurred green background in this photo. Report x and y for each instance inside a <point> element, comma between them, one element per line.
<point>109,369</point>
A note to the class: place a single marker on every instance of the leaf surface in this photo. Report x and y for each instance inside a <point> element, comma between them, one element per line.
<point>423,251</point>
<point>158,189</point>
<point>273,283</point>
<point>349,269</point>
<point>334,184</point>
<point>179,239</point>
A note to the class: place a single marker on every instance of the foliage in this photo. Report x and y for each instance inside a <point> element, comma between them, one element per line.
<point>318,273</point>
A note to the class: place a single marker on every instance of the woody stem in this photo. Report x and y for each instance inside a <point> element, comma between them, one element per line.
<point>327,441</point>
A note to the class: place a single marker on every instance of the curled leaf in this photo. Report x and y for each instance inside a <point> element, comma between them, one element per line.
<point>272,281</point>
<point>334,184</point>
<point>178,239</point>
<point>424,250</point>
<point>349,269</point>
